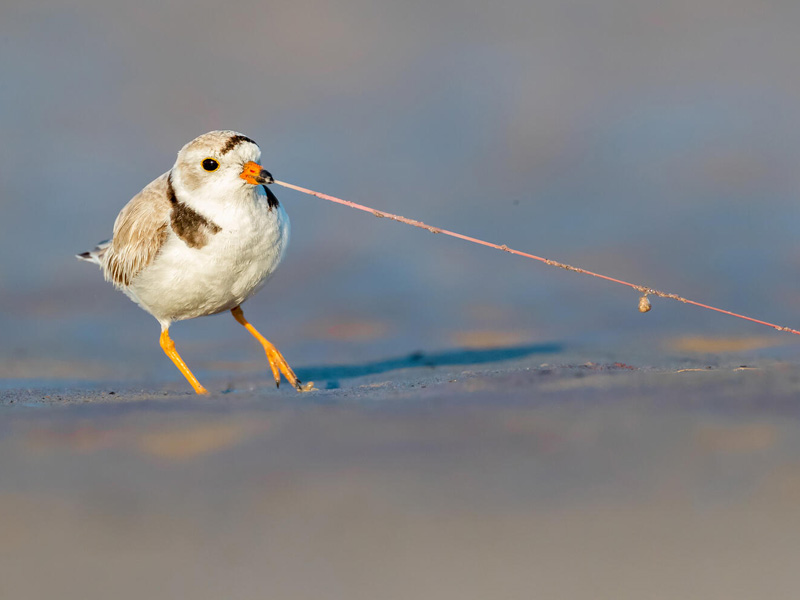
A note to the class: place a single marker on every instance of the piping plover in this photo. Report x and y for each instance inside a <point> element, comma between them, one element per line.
<point>200,240</point>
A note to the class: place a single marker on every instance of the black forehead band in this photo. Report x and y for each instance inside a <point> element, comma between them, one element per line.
<point>233,142</point>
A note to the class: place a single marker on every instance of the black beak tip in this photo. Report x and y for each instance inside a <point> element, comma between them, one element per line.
<point>265,177</point>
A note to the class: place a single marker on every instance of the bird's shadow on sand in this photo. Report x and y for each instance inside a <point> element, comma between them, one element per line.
<point>447,358</point>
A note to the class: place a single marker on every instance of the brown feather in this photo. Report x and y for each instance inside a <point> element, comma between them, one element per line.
<point>139,232</point>
<point>188,224</point>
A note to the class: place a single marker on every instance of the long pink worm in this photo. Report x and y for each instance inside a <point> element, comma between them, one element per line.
<point>644,290</point>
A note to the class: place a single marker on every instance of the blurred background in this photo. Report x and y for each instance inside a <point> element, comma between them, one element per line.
<point>653,141</point>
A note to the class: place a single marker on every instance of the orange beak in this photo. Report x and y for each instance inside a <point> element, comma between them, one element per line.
<point>255,174</point>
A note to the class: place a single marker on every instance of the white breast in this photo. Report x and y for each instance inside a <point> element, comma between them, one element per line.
<point>184,282</point>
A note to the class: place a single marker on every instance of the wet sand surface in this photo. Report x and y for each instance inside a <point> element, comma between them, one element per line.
<point>534,476</point>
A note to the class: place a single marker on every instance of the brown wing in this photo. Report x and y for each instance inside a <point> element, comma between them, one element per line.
<point>140,230</point>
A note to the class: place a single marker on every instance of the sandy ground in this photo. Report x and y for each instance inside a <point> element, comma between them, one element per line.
<point>530,477</point>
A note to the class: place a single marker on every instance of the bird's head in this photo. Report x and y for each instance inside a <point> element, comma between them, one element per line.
<point>219,164</point>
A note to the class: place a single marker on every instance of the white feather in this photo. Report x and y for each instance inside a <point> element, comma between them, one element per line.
<point>184,282</point>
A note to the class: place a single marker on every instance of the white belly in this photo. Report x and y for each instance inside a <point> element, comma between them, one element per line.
<point>184,282</point>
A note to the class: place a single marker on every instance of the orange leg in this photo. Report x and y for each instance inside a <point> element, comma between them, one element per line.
<point>276,361</point>
<point>168,346</point>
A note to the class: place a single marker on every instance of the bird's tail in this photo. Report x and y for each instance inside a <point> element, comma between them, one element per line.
<point>95,256</point>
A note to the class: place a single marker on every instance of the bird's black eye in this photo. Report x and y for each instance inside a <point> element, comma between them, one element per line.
<point>210,164</point>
